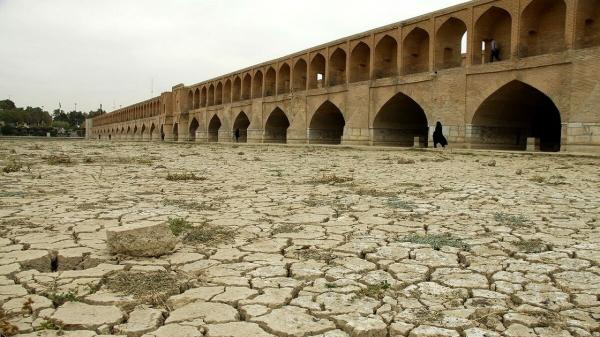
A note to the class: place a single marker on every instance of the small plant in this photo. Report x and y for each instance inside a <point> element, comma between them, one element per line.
<point>208,235</point>
<point>377,291</point>
<point>12,166</point>
<point>59,160</point>
<point>88,160</point>
<point>28,306</point>
<point>7,328</point>
<point>437,241</point>
<point>59,299</point>
<point>331,179</point>
<point>401,204</point>
<point>330,285</point>
<point>184,177</point>
<point>178,225</point>
<point>48,325</point>
<point>532,246</point>
<point>510,220</point>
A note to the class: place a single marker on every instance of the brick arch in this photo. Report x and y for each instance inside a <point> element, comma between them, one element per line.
<point>213,127</point>
<point>513,112</point>
<point>246,87</point>
<point>360,62</point>
<point>385,61</point>
<point>317,68</point>
<point>300,75</point>
<point>193,126</point>
<point>283,79</point>
<point>327,124</point>
<point>448,40</point>
<point>337,67</point>
<point>542,27</point>
<point>495,23</point>
<point>399,120</point>
<point>415,51</point>
<point>276,126</point>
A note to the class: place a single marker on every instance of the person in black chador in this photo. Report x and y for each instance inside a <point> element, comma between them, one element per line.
<point>237,135</point>
<point>438,136</point>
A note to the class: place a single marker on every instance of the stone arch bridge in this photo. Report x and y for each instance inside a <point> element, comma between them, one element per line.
<point>390,85</point>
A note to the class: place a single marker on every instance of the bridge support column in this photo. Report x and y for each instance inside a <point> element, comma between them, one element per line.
<point>225,136</point>
<point>201,137</point>
<point>533,144</point>
<point>468,135</point>
<point>356,136</point>
<point>255,136</point>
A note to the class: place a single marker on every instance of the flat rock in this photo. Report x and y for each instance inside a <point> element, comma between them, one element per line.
<point>76,315</point>
<point>140,321</point>
<point>149,240</point>
<point>294,322</point>
<point>236,329</point>
<point>209,312</point>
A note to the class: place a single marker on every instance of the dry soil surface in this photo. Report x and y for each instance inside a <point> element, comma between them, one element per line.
<point>298,241</point>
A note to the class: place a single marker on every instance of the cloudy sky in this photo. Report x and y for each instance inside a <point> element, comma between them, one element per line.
<point>118,52</point>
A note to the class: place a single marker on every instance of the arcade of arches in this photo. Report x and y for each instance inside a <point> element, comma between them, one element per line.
<point>391,85</point>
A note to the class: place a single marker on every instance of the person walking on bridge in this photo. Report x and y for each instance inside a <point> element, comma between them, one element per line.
<point>495,51</point>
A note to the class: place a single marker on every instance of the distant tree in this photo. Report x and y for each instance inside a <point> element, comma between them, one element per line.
<point>60,115</point>
<point>7,105</point>
<point>93,114</point>
<point>61,124</point>
<point>76,118</point>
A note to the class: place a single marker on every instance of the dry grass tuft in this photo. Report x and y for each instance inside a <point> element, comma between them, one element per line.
<point>152,288</point>
<point>209,235</point>
<point>184,177</point>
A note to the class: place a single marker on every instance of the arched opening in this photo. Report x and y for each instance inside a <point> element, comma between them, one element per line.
<point>449,39</point>
<point>270,78</point>
<point>196,98</point>
<point>188,105</point>
<point>213,129</point>
<point>242,123</point>
<point>109,136</point>
<point>317,72</point>
<point>337,67</point>
<point>300,70</point>
<point>283,81</point>
<point>227,92</point>
<point>415,54</point>
<point>162,133</point>
<point>587,24</point>
<point>219,94</point>
<point>494,24</point>
<point>176,132</point>
<point>360,63</point>
<point>257,85</point>
<point>211,95</point>
<point>399,121</point>
<point>326,125</point>
<point>542,27</point>
<point>192,129</point>
<point>143,132</point>
<point>276,127</point>
<point>386,58</point>
<point>203,97</point>
<point>152,130</point>
<point>237,89</point>
<point>135,133</point>
<point>512,114</point>
<point>246,87</point>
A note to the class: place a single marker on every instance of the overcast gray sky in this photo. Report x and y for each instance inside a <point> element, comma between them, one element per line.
<point>109,52</point>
